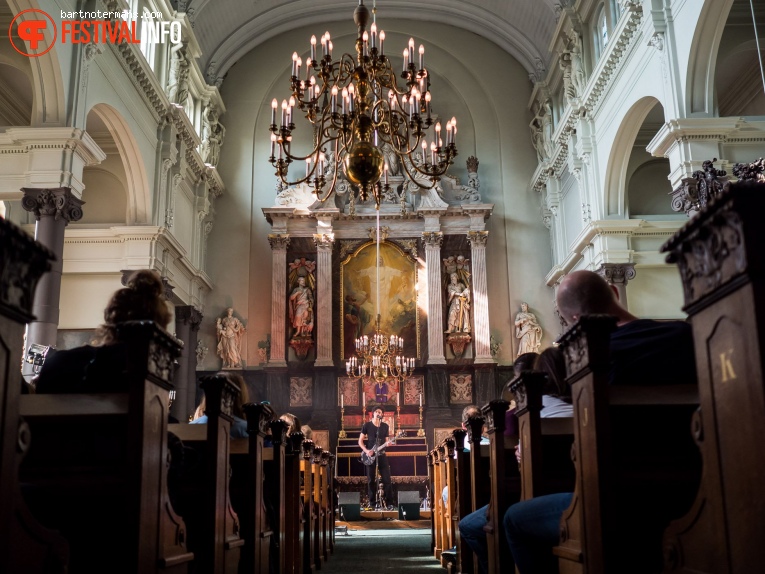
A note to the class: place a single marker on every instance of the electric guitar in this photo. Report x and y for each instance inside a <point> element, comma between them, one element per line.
<point>369,460</point>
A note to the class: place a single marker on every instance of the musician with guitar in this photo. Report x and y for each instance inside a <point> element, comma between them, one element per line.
<point>373,440</point>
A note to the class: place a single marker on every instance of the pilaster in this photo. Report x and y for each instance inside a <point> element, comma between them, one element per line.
<point>433,241</point>
<point>187,321</point>
<point>53,209</point>
<point>324,243</point>
<point>477,240</point>
<point>279,244</point>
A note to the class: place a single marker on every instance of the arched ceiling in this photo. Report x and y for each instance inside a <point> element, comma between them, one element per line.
<point>228,29</point>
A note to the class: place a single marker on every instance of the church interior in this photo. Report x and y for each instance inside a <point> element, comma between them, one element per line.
<point>355,206</point>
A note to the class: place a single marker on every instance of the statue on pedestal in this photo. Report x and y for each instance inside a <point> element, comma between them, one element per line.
<point>230,331</point>
<point>301,305</point>
<point>458,315</point>
<point>527,331</point>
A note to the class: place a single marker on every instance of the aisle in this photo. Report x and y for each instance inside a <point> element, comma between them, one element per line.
<point>382,547</point>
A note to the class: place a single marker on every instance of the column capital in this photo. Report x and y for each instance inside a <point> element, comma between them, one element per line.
<point>188,314</point>
<point>324,241</point>
<point>477,238</point>
<point>279,241</point>
<point>433,239</point>
<point>59,203</point>
<point>617,273</point>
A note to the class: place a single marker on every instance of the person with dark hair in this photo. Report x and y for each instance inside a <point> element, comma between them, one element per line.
<point>101,366</point>
<point>375,433</point>
<point>556,394</point>
<point>642,352</point>
<point>239,424</point>
<point>524,362</point>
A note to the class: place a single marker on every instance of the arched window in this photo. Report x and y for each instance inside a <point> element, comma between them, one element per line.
<point>148,37</point>
<point>599,31</point>
<point>603,28</point>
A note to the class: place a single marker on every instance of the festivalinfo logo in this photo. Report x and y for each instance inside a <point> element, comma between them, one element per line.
<point>85,27</point>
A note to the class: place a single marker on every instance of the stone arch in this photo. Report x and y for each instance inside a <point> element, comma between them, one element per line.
<point>49,103</point>
<point>618,161</point>
<point>138,190</point>
<point>702,61</point>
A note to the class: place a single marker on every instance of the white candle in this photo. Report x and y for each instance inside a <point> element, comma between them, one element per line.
<point>342,404</point>
<point>363,399</point>
<point>420,399</point>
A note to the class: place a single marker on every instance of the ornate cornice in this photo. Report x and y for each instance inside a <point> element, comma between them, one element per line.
<point>59,203</point>
<point>22,262</point>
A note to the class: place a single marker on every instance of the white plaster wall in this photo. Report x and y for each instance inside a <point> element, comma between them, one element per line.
<point>472,79</point>
<point>83,298</point>
<point>656,293</point>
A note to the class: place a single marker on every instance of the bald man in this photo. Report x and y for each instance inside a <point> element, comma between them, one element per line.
<point>643,351</point>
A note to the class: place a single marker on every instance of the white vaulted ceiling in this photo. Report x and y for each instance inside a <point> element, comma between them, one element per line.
<point>228,29</point>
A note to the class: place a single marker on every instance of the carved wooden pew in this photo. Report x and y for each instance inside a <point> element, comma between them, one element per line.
<point>205,503</point>
<point>437,508</point>
<point>25,546</point>
<point>719,254</point>
<point>462,506</point>
<point>505,483</point>
<point>317,481</point>
<point>546,466</point>
<point>634,458</point>
<point>294,525</point>
<point>478,469</point>
<point>306,472</point>
<point>446,469</point>
<point>435,533</point>
<point>106,455</point>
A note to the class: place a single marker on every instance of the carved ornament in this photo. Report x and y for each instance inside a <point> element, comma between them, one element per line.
<point>324,241</point>
<point>60,203</point>
<point>477,238</point>
<point>754,171</point>
<point>617,273</point>
<point>279,241</point>
<point>433,239</point>
<point>576,343</point>
<point>695,192</point>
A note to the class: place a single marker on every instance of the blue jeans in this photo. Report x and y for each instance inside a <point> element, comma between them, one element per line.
<point>472,532</point>
<point>532,528</point>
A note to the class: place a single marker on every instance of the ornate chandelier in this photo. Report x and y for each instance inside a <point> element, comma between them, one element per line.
<point>357,108</point>
<point>379,356</point>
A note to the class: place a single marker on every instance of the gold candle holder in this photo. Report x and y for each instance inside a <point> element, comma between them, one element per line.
<point>342,433</point>
<point>421,431</point>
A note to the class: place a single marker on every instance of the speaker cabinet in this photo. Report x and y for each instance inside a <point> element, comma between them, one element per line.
<point>409,505</point>
<point>350,506</point>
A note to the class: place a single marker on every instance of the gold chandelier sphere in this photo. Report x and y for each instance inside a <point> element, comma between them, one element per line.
<point>364,164</point>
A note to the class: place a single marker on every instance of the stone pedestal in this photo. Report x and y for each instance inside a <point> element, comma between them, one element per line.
<point>279,244</point>
<point>187,321</point>
<point>433,241</point>
<point>477,240</point>
<point>53,209</point>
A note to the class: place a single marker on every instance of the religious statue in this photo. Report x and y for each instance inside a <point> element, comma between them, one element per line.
<point>527,331</point>
<point>578,77</point>
<point>230,331</point>
<point>178,85</point>
<point>458,301</point>
<point>214,134</point>
<point>301,310</point>
<point>201,352</point>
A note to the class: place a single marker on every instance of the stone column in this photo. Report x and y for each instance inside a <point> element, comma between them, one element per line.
<point>477,240</point>
<point>324,243</point>
<point>433,241</point>
<point>618,274</point>
<point>53,209</point>
<point>187,321</point>
<point>279,243</point>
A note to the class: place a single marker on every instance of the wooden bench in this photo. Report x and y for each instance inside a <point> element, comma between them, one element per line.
<point>97,466</point>
<point>25,546</point>
<point>546,466</point>
<point>634,458</point>
<point>719,254</point>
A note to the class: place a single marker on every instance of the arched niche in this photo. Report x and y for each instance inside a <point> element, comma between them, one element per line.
<point>621,157</point>
<point>16,91</point>
<point>109,121</point>
<point>737,77</point>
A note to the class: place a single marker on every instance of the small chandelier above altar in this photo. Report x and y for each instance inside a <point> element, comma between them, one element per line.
<point>357,108</point>
<point>379,357</point>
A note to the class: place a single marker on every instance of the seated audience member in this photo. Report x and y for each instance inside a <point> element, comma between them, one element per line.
<point>307,432</point>
<point>293,423</point>
<point>556,397</point>
<point>239,424</point>
<point>643,352</point>
<point>467,412</point>
<point>101,366</point>
<point>523,363</point>
<point>200,410</point>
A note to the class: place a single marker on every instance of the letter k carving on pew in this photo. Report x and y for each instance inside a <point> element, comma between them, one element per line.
<point>727,366</point>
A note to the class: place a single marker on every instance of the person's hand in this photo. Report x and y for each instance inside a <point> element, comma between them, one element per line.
<point>518,452</point>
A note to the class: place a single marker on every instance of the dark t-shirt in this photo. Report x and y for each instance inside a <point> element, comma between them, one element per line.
<point>85,369</point>
<point>375,435</point>
<point>648,352</point>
